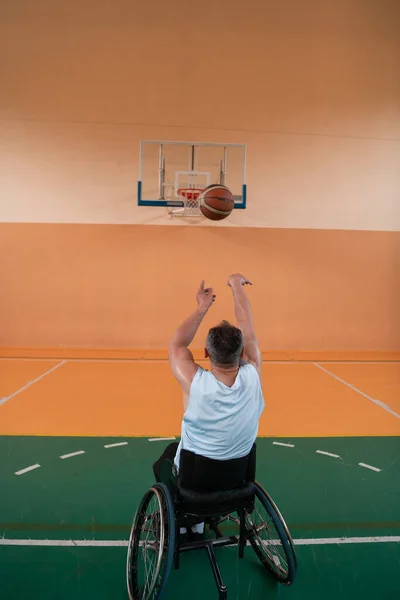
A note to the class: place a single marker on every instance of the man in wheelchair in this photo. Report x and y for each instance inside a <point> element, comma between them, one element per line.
<point>210,474</point>
<point>223,405</point>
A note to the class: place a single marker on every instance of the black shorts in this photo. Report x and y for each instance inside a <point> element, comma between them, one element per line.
<point>163,468</point>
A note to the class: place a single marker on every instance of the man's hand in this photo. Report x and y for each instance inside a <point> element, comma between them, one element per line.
<point>205,297</point>
<point>180,358</point>
<point>238,278</point>
<point>244,318</point>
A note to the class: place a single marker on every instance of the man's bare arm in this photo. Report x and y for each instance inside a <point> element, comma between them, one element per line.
<point>180,357</point>
<point>244,317</point>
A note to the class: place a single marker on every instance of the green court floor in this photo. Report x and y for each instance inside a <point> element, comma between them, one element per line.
<point>93,496</point>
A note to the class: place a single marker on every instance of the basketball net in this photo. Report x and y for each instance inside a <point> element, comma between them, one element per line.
<point>191,204</point>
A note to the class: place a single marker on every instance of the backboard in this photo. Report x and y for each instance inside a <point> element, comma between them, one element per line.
<point>169,170</point>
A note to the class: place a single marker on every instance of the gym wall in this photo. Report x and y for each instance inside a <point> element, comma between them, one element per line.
<point>314,93</point>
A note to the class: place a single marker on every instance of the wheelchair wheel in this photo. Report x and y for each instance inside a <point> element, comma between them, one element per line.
<point>151,545</point>
<point>270,537</point>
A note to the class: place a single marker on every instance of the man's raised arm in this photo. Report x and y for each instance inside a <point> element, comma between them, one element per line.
<point>244,317</point>
<point>180,357</point>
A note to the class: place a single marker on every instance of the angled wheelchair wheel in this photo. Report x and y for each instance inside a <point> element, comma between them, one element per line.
<point>270,537</point>
<point>151,545</point>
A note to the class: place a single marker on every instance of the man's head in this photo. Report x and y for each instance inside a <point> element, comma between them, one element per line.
<point>224,344</point>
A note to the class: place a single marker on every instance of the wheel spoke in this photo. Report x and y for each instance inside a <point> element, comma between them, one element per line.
<point>149,553</point>
<point>266,539</point>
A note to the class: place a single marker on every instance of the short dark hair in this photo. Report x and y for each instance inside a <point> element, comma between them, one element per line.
<point>224,344</point>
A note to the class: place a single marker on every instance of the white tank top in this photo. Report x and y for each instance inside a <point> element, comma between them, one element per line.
<point>221,422</point>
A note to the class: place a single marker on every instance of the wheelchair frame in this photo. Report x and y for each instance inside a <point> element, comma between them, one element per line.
<point>176,516</point>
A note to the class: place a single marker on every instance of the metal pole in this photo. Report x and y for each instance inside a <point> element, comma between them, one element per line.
<point>161,174</point>
<point>222,175</point>
<point>193,159</point>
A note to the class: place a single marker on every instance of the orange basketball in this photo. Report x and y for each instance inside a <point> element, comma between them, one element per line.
<point>216,202</point>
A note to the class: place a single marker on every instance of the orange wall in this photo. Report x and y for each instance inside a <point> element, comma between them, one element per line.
<point>130,286</point>
<point>311,88</point>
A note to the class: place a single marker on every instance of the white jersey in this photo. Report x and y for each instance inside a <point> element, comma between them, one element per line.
<point>221,422</point>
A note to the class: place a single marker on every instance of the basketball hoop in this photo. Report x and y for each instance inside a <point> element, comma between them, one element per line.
<point>189,205</point>
<point>189,193</point>
<point>190,202</point>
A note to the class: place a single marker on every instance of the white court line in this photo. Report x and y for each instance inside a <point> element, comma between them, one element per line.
<point>22,471</point>
<point>352,387</point>
<point>359,362</point>
<point>115,445</point>
<point>124,543</point>
<point>351,540</point>
<point>63,543</point>
<point>200,360</point>
<point>327,453</point>
<point>370,467</point>
<point>161,439</point>
<point>204,361</point>
<point>72,454</point>
<point>282,444</point>
<point>164,360</point>
<point>25,387</point>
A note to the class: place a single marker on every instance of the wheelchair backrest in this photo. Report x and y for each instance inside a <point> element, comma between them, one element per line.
<point>202,474</point>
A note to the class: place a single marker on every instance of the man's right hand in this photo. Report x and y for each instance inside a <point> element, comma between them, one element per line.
<point>237,278</point>
<point>205,297</point>
<point>244,318</point>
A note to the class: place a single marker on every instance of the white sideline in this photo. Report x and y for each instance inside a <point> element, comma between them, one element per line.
<point>124,543</point>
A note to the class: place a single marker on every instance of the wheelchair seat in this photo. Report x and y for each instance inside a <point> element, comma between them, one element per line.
<point>206,486</point>
<point>208,501</point>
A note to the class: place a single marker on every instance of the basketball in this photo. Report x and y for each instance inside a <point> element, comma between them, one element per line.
<point>216,202</point>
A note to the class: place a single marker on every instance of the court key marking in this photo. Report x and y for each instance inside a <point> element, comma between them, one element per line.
<point>282,444</point>
<point>72,454</point>
<point>328,454</point>
<point>27,469</point>
<point>117,444</point>
<point>369,467</point>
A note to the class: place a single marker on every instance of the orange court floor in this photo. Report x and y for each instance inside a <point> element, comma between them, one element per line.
<point>132,393</point>
<point>66,522</point>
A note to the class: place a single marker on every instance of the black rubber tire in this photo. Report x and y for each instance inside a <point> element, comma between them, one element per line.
<point>287,575</point>
<point>157,587</point>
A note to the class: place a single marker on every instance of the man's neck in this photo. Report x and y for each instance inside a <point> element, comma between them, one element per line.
<point>225,368</point>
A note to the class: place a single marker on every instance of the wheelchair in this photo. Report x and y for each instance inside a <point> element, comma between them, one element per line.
<point>218,493</point>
